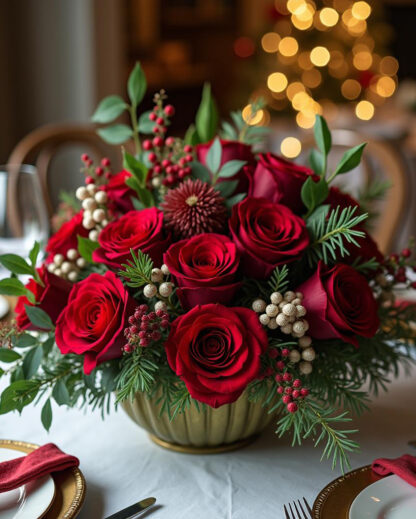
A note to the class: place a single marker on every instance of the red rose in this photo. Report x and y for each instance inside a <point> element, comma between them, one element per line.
<point>51,298</point>
<point>232,150</point>
<point>340,304</point>
<point>216,351</point>
<point>66,237</point>
<point>204,269</point>
<point>119,193</point>
<point>279,181</point>
<point>267,235</point>
<point>92,324</point>
<point>135,230</point>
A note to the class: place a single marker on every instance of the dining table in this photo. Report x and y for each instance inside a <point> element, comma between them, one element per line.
<point>121,465</point>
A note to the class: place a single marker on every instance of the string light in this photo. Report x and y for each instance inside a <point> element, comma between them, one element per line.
<point>350,89</point>
<point>270,42</point>
<point>364,110</point>
<point>320,56</point>
<point>249,117</point>
<point>385,86</point>
<point>361,10</point>
<point>389,66</point>
<point>328,16</point>
<point>277,82</point>
<point>290,147</point>
<point>288,46</point>
<point>362,60</point>
<point>293,89</point>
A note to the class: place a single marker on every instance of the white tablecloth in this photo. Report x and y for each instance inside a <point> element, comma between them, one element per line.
<point>121,465</point>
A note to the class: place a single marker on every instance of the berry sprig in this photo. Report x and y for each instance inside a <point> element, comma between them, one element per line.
<point>291,390</point>
<point>98,175</point>
<point>146,328</point>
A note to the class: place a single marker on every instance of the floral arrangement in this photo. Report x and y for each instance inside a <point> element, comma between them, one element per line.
<point>204,270</point>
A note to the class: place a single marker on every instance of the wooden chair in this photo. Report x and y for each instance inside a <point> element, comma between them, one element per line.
<point>380,161</point>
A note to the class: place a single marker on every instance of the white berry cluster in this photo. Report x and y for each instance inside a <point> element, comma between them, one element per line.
<point>164,290</point>
<point>286,313</point>
<point>68,266</point>
<point>95,215</point>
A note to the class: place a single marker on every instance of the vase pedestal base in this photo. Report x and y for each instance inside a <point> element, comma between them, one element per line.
<point>215,449</point>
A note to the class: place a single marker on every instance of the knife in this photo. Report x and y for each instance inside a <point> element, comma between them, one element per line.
<point>133,511</point>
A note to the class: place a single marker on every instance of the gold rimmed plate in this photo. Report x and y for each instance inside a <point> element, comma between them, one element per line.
<point>70,485</point>
<point>335,500</point>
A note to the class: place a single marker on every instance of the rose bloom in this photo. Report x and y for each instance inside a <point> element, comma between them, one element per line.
<point>119,193</point>
<point>135,230</point>
<point>92,324</point>
<point>267,235</point>
<point>51,298</point>
<point>232,150</point>
<point>340,304</point>
<point>216,351</point>
<point>280,181</point>
<point>204,268</point>
<point>66,237</point>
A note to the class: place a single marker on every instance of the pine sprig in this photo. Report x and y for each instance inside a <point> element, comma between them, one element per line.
<point>374,191</point>
<point>329,236</point>
<point>138,270</point>
<point>365,266</point>
<point>279,281</point>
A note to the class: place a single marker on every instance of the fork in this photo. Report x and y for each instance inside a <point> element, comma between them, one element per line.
<point>298,513</point>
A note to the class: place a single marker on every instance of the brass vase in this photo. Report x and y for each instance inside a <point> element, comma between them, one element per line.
<point>209,431</point>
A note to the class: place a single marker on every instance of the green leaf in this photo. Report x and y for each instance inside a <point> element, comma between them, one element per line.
<point>39,318</point>
<point>32,361</point>
<point>314,193</point>
<point>350,159</point>
<point>60,393</point>
<point>7,355</point>
<point>18,395</point>
<point>145,196</point>
<point>229,169</point>
<point>109,109</point>
<point>137,204</point>
<point>12,287</point>
<point>145,124</point>
<point>34,253</point>
<point>214,155</point>
<point>317,162</point>
<point>135,167</point>
<point>322,135</point>
<point>226,188</point>
<point>191,136</point>
<point>136,85</point>
<point>235,200</point>
<point>86,247</point>
<point>207,116</point>
<point>15,264</point>
<point>48,345</point>
<point>46,415</point>
<point>201,172</point>
<point>25,340</point>
<point>115,134</point>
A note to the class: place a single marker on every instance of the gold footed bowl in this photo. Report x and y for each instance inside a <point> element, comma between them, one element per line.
<point>208,431</point>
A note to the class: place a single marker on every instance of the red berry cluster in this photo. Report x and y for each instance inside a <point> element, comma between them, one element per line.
<point>397,265</point>
<point>145,327</point>
<point>96,174</point>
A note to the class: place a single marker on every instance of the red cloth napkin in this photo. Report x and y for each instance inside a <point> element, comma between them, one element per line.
<point>404,467</point>
<point>42,461</point>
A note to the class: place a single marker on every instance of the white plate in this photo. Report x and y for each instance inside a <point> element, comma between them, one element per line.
<point>388,498</point>
<point>29,501</point>
<point>4,307</point>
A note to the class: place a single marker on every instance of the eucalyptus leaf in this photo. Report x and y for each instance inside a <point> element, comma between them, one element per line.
<point>229,169</point>
<point>200,171</point>
<point>86,247</point>
<point>214,155</point>
<point>314,193</point>
<point>230,202</point>
<point>145,124</point>
<point>34,253</point>
<point>317,162</point>
<point>322,135</point>
<point>7,355</point>
<point>109,109</point>
<point>115,134</point>
<point>226,188</point>
<point>191,136</point>
<point>206,120</point>
<point>31,361</point>
<point>145,196</point>
<point>12,287</point>
<point>15,264</point>
<point>135,167</point>
<point>17,395</point>
<point>39,318</point>
<point>25,340</point>
<point>136,203</point>
<point>136,85</point>
<point>48,345</point>
<point>60,393</point>
<point>350,159</point>
<point>46,414</point>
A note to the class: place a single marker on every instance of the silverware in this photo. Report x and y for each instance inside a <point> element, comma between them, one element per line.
<point>298,507</point>
<point>133,511</point>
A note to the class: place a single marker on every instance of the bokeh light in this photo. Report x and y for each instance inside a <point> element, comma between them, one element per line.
<point>320,56</point>
<point>244,47</point>
<point>270,42</point>
<point>361,10</point>
<point>277,82</point>
<point>363,60</point>
<point>290,147</point>
<point>385,86</point>
<point>252,118</point>
<point>312,78</point>
<point>389,66</point>
<point>288,46</point>
<point>364,110</point>
<point>328,16</point>
<point>350,89</point>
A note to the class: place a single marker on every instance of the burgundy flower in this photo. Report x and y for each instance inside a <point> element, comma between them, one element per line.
<point>67,237</point>
<point>119,193</point>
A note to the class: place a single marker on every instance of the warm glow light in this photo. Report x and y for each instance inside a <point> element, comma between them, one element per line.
<point>290,147</point>
<point>294,6</point>
<point>244,47</point>
<point>293,89</point>
<point>270,42</point>
<point>277,82</point>
<point>385,86</point>
<point>364,110</point>
<point>305,13</point>
<point>288,46</point>
<point>350,89</point>
<point>305,61</point>
<point>320,56</point>
<point>302,25</point>
<point>340,71</point>
<point>363,60</point>
<point>328,16</point>
<point>301,100</point>
<point>252,118</point>
<point>357,29</point>
<point>361,10</point>
<point>312,78</point>
<point>305,120</point>
<point>389,66</point>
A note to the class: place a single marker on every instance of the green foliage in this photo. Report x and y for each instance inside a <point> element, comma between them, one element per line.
<point>115,134</point>
<point>322,135</point>
<point>86,247</point>
<point>365,266</point>
<point>314,193</point>
<point>242,130</point>
<point>7,355</point>
<point>145,124</point>
<point>279,281</point>
<point>138,373</point>
<point>214,155</point>
<point>206,120</point>
<point>46,414</point>
<point>230,202</point>
<point>350,159</point>
<point>136,85</point>
<point>135,167</point>
<point>230,168</point>
<point>109,109</point>
<point>317,161</point>
<point>138,270</point>
<point>13,287</point>
<point>15,264</point>
<point>373,191</point>
<point>201,172</point>
<point>227,188</point>
<point>39,318</point>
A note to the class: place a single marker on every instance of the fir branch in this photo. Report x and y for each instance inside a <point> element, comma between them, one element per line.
<point>374,191</point>
<point>330,235</point>
<point>279,281</point>
<point>366,266</point>
<point>138,373</point>
<point>138,270</point>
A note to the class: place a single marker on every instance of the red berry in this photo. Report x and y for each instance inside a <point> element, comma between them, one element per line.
<point>286,399</point>
<point>278,378</point>
<point>296,393</point>
<point>144,342</point>
<point>160,121</point>
<point>400,278</point>
<point>182,161</point>
<point>273,353</point>
<point>280,365</point>
<point>84,157</point>
<point>170,141</point>
<point>169,170</point>
<point>157,169</point>
<point>152,116</point>
<point>127,348</point>
<point>132,319</point>
<point>89,162</point>
<point>287,377</point>
<point>292,407</point>
<point>99,171</point>
<point>155,108</point>
<point>414,284</point>
<point>152,157</point>
<point>189,158</point>
<point>169,110</point>
<point>166,163</point>
<point>288,390</point>
<point>304,391</point>
<point>280,389</point>
<point>147,145</point>
<point>105,162</point>
<point>406,253</point>
<point>108,175</point>
<point>182,174</point>
<point>89,180</point>
<point>187,170</point>
<point>158,142</point>
<point>163,129</point>
<point>164,323</point>
<point>187,148</point>
<point>155,129</point>
<point>170,179</point>
<point>297,383</point>
<point>285,352</point>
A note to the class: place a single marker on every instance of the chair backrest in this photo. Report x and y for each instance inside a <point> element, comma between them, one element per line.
<point>381,161</point>
<point>41,146</point>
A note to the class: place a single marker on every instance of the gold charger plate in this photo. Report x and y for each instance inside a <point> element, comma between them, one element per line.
<point>69,486</point>
<point>335,500</point>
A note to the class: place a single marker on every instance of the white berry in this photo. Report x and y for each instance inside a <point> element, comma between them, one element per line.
<point>308,354</point>
<point>160,305</point>
<point>81,193</point>
<point>296,301</point>
<point>305,368</point>
<point>286,329</point>
<point>289,296</point>
<point>264,319</point>
<point>272,324</point>
<point>104,222</point>
<point>272,310</point>
<point>89,204</point>
<point>58,272</point>
<point>289,309</point>
<point>72,276</point>
<point>299,327</point>
<point>51,267</point>
<point>276,298</point>
<point>299,295</point>
<point>101,197</point>
<point>156,181</point>
<point>93,235</point>
<point>58,259</point>
<point>282,320</point>
<point>91,188</point>
<point>98,215</point>
<point>165,270</point>
<point>259,305</point>
<point>300,310</point>
<point>150,290</point>
<point>72,254</point>
<point>165,289</point>
<point>157,275</point>
<point>66,267</point>
<point>81,263</point>
<point>305,342</point>
<point>294,356</point>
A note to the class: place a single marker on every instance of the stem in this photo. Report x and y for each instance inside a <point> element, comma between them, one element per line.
<point>133,117</point>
